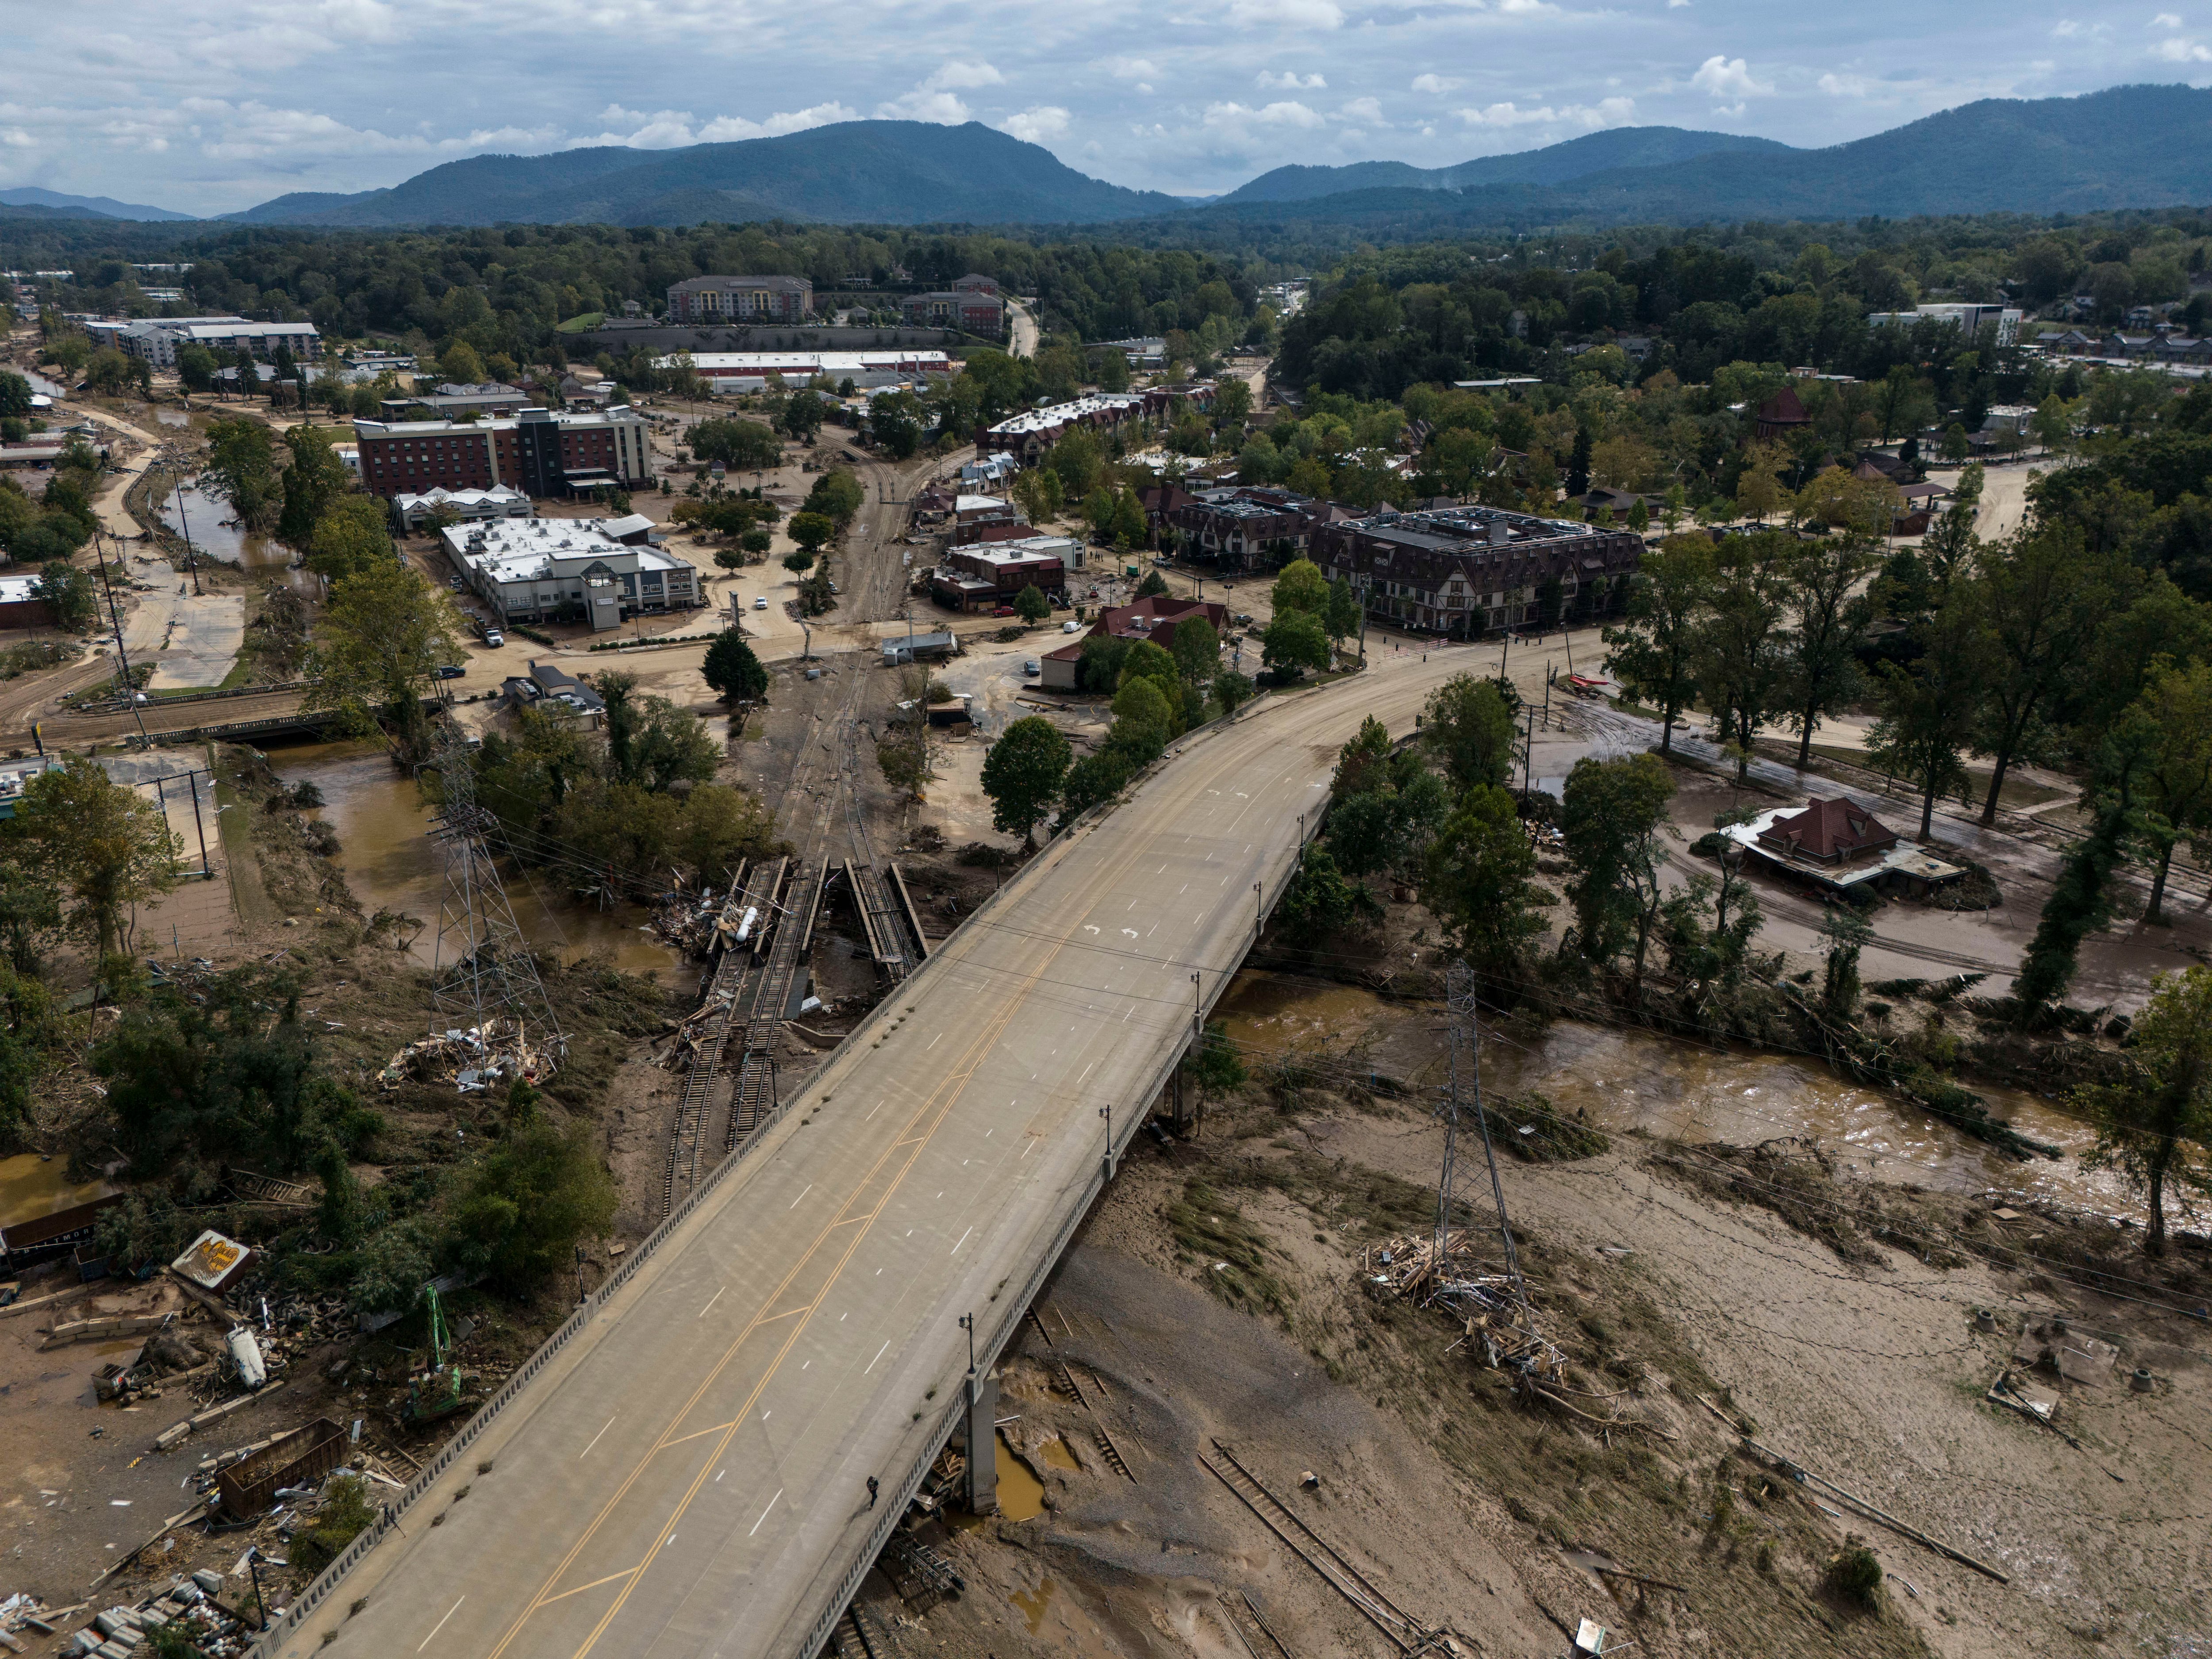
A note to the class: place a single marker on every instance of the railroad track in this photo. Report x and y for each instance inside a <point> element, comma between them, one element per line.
<point>1399,1628</point>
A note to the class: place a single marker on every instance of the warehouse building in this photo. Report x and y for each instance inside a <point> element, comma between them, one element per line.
<point>750,371</point>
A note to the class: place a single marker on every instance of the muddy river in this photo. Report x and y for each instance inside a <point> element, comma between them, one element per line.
<point>1634,1079</point>
<point>391,862</point>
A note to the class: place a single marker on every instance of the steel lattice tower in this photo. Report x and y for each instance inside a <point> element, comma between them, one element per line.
<point>483,974</point>
<point>1466,1196</point>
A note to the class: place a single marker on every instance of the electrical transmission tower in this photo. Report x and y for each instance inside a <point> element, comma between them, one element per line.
<point>1469,1194</point>
<point>483,976</point>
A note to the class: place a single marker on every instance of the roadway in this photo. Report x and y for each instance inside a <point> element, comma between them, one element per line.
<point>687,1475</point>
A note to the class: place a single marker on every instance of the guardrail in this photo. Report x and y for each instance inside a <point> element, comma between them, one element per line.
<point>988,1348</point>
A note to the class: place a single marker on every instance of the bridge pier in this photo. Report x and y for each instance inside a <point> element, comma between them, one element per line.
<point>982,1473</point>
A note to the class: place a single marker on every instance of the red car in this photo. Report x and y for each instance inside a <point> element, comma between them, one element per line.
<point>1004,610</point>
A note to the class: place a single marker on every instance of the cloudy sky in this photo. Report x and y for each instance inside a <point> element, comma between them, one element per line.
<point>209,105</point>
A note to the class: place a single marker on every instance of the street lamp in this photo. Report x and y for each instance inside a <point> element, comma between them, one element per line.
<point>968,1324</point>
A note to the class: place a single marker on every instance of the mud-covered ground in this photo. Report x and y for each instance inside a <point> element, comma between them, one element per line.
<point>1217,1293</point>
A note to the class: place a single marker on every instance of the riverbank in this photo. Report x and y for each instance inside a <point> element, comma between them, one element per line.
<point>1222,1295</point>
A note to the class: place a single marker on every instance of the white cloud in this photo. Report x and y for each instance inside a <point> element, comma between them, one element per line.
<point>2068,28</point>
<point>2178,51</point>
<point>1133,69</point>
<point>1719,77</point>
<point>1846,86</point>
<point>726,129</point>
<point>1285,113</point>
<point>1673,4</point>
<point>1607,112</point>
<point>1291,81</point>
<point>2165,20</point>
<point>1286,13</point>
<point>963,75</point>
<point>1434,83</point>
<point>16,138</point>
<point>1526,8</point>
<point>1035,126</point>
<point>1368,111</point>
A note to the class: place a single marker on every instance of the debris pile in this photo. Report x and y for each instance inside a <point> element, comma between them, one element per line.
<point>1451,1281</point>
<point>687,920</point>
<point>472,1060</point>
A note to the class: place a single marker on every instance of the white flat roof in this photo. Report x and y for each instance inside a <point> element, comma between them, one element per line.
<point>826,362</point>
<point>529,549</point>
<point>1040,420</point>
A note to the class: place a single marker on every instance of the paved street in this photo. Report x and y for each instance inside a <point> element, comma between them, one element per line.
<point>689,1475</point>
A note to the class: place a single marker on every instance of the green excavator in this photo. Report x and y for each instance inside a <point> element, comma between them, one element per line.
<point>437,1393</point>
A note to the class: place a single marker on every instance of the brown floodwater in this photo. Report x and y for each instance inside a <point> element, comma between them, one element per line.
<point>391,862</point>
<point>207,524</point>
<point>1626,1079</point>
<point>1021,1494</point>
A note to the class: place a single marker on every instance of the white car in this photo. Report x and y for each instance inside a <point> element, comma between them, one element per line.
<point>493,638</point>
<point>1070,627</point>
<point>761,603</point>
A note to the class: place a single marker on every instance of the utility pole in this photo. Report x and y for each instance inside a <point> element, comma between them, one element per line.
<point>172,457</point>
<point>129,691</point>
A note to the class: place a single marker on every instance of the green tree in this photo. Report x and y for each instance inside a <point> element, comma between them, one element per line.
<point>799,561</point>
<point>352,535</point>
<point>1342,619</point>
<point>2041,596</point>
<point>1142,702</point>
<point>1154,586</point>
<point>1025,771</point>
<point>103,844</point>
<point>241,468</point>
<point>1301,587</point>
<point>519,1211</point>
<point>747,445</point>
<point>1653,651</point>
<point>2177,772</point>
<point>14,393</point>
<point>651,742</point>
<point>2081,897</point>
<point>312,482</point>
<point>1478,880</point>
<point>1294,641</point>
<point>1318,903</point>
<point>1738,657</point>
<point>1032,606</point>
<point>1823,590</point>
<point>1196,649</point>
<point>1614,824</point>
<point>837,496</point>
<point>1078,462</point>
<point>1215,1066</point>
<point>811,531</point>
<point>385,633</point>
<point>803,417</point>
<point>1926,713</point>
<point>1469,726</point>
<point>1231,689</point>
<point>459,364</point>
<point>2155,1122</point>
<point>69,596</point>
<point>1845,931</point>
<point>732,672</point>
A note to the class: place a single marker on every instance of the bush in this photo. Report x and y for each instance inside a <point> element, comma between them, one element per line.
<point>1855,1574</point>
<point>345,1515</point>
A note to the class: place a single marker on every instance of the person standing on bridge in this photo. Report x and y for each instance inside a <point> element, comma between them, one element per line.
<point>871,1491</point>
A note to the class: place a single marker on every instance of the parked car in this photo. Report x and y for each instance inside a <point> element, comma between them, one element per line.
<point>493,638</point>
<point>761,603</point>
<point>449,670</point>
<point>1071,627</point>
<point>1004,610</point>
<point>1031,665</point>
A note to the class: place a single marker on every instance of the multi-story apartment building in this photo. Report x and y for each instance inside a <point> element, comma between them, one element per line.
<point>741,300</point>
<point>1463,571</point>
<point>236,334</point>
<point>539,451</point>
